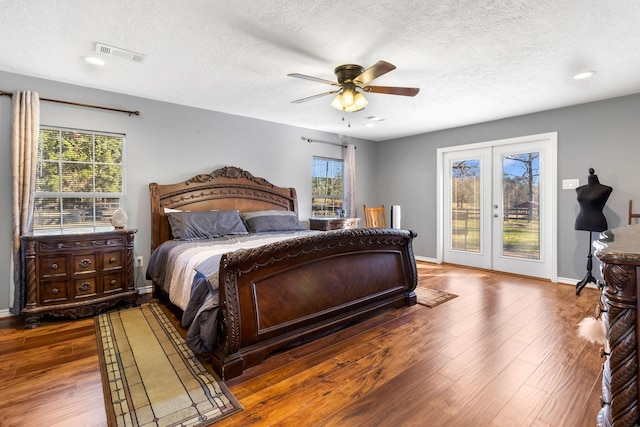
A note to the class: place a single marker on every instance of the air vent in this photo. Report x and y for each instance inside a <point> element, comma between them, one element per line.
<point>120,53</point>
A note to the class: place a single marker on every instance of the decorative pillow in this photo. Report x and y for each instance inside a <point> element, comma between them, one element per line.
<point>271,221</point>
<point>194,225</point>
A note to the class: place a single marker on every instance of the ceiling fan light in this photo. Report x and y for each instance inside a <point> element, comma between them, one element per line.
<point>360,101</point>
<point>337,102</point>
<point>349,100</point>
<point>348,97</point>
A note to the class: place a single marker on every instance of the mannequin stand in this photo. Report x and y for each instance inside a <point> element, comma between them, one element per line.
<point>589,277</point>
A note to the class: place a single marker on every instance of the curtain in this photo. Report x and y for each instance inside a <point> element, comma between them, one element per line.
<point>24,141</point>
<point>349,201</point>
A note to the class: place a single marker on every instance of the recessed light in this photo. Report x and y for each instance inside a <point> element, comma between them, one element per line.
<point>584,75</point>
<point>374,118</point>
<point>369,125</point>
<point>94,60</point>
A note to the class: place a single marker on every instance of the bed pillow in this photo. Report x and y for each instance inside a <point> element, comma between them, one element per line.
<point>260,221</point>
<point>195,225</point>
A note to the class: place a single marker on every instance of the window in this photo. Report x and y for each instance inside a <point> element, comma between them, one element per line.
<point>79,179</point>
<point>326,187</point>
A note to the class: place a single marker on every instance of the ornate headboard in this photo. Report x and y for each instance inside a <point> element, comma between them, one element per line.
<point>223,189</point>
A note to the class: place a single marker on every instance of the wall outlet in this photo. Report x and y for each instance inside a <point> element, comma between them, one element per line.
<point>570,184</point>
<point>139,262</point>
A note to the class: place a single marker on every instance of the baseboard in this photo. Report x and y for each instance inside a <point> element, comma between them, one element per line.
<point>426,259</point>
<point>145,290</point>
<point>574,282</point>
<point>5,313</point>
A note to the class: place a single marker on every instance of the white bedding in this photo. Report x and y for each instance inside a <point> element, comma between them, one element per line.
<point>173,265</point>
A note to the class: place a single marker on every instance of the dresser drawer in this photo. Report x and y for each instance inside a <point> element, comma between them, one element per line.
<point>53,266</point>
<point>326,224</point>
<point>112,283</point>
<point>53,292</point>
<point>343,224</point>
<point>85,287</point>
<point>112,260</point>
<point>84,263</point>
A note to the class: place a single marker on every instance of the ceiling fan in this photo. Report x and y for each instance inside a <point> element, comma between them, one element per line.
<point>352,77</point>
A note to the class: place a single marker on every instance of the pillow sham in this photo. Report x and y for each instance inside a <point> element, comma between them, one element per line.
<point>272,220</point>
<point>196,225</point>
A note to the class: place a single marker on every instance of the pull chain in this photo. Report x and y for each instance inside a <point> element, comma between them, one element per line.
<point>349,123</point>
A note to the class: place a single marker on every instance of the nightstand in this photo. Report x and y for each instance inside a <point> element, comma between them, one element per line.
<point>76,274</point>
<point>326,224</point>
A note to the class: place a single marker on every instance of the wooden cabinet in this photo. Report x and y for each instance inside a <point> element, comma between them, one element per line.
<point>78,274</point>
<point>619,252</point>
<point>326,224</point>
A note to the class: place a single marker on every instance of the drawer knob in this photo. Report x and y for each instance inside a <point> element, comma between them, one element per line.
<point>113,282</point>
<point>54,266</point>
<point>85,262</point>
<point>55,291</point>
<point>112,260</point>
<point>85,286</point>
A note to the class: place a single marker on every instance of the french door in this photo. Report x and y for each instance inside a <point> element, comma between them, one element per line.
<point>498,205</point>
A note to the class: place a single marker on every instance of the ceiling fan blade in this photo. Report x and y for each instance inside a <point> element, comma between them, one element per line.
<point>309,98</point>
<point>376,70</point>
<point>392,90</point>
<point>313,79</point>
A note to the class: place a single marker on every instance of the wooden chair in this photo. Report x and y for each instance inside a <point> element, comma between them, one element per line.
<point>631,214</point>
<point>375,217</point>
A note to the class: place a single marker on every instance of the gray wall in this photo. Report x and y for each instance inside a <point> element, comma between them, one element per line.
<point>168,143</point>
<point>603,135</point>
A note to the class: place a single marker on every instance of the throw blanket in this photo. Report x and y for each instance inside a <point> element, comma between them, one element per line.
<point>188,272</point>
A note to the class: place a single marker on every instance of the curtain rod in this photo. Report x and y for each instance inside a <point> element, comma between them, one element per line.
<point>309,140</point>
<point>135,113</point>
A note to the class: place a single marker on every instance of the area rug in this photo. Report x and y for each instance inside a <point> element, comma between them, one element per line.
<point>151,378</point>
<point>432,297</point>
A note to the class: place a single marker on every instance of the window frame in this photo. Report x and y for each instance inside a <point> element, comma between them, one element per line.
<point>94,224</point>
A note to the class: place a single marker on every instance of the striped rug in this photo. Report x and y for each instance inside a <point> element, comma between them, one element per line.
<point>151,378</point>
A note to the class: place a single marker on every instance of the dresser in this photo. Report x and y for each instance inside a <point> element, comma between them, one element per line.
<point>619,253</point>
<point>326,224</point>
<point>76,274</point>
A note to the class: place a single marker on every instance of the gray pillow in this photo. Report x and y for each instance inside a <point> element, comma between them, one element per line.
<point>271,221</point>
<point>194,225</point>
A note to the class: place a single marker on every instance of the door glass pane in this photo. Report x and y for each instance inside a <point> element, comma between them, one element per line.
<point>521,205</point>
<point>465,205</point>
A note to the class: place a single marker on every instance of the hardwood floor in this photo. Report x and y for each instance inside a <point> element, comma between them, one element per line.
<point>503,353</point>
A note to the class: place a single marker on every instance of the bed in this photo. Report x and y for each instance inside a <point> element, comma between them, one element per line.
<point>269,296</point>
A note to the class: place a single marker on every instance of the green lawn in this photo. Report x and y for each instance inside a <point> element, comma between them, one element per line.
<point>521,238</point>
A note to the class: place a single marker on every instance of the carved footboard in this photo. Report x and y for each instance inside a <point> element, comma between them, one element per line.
<point>273,296</point>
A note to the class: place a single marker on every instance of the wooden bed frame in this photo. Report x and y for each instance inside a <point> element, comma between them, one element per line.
<point>280,294</point>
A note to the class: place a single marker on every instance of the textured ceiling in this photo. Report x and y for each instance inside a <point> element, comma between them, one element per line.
<point>474,60</point>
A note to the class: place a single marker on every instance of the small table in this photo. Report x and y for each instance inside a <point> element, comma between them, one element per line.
<point>326,224</point>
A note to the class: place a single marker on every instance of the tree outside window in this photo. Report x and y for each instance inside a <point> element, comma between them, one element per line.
<point>327,187</point>
<point>79,179</point>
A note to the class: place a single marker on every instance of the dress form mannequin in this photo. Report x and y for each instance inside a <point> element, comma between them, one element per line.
<point>591,197</point>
